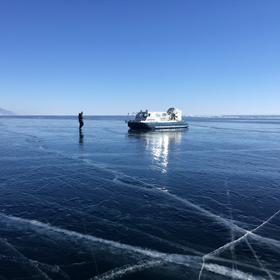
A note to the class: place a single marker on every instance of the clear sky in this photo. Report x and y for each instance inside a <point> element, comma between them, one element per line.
<point>119,56</point>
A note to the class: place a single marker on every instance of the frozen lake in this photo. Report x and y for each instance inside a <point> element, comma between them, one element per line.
<point>110,204</point>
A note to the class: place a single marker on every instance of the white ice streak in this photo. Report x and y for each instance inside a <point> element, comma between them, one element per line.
<point>232,235</point>
<point>189,204</point>
<point>202,268</point>
<point>185,260</point>
<point>126,269</point>
<point>231,244</point>
<point>274,244</point>
<point>233,273</point>
<point>126,228</point>
<point>236,241</point>
<point>258,259</point>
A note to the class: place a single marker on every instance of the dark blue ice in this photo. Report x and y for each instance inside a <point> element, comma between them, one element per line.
<point>111,204</point>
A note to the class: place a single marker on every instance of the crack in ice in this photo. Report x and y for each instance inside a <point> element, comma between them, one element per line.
<point>233,243</point>
<point>126,269</point>
<point>258,259</point>
<point>25,260</point>
<point>184,260</point>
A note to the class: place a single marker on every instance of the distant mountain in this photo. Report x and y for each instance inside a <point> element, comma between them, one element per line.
<point>4,112</point>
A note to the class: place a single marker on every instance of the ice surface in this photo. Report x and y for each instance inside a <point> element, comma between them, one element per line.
<point>199,204</point>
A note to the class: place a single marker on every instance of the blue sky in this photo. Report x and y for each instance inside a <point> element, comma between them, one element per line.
<point>118,56</point>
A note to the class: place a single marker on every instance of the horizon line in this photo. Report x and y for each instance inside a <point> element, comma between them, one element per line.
<point>125,115</point>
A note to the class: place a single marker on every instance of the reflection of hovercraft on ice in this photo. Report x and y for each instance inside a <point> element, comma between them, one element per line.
<point>172,119</point>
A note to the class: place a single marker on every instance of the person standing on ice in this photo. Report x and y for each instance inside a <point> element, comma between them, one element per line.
<point>81,119</point>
